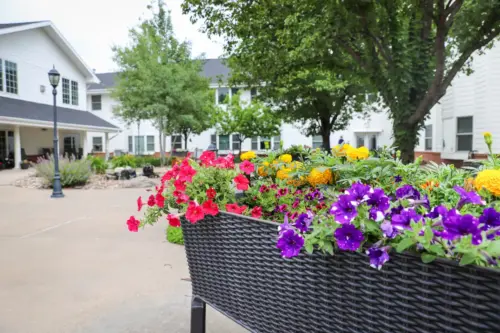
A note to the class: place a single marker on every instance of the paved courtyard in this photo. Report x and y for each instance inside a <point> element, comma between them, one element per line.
<point>71,266</point>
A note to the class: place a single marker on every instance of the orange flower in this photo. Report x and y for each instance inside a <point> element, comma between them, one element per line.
<point>430,184</point>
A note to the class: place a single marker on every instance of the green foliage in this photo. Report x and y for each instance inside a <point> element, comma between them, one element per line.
<point>98,164</point>
<point>141,161</point>
<point>123,161</point>
<point>298,152</point>
<point>174,235</point>
<point>250,119</point>
<point>73,172</point>
<point>409,52</point>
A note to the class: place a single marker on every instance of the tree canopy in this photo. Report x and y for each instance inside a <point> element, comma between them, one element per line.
<point>409,51</point>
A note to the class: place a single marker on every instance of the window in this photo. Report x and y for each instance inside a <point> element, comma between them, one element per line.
<point>1,75</point>
<point>176,142</point>
<point>265,143</point>
<point>65,91</point>
<point>255,143</point>
<point>223,142</point>
<point>360,141</point>
<point>236,142</point>
<point>97,143</point>
<point>96,102</point>
<point>222,93</point>
<point>234,91</point>
<point>150,142</point>
<point>464,134</point>
<point>317,142</point>
<point>11,77</point>
<point>130,144</point>
<point>213,139</point>
<point>139,145</point>
<point>276,142</point>
<point>74,92</point>
<point>253,93</point>
<point>428,137</point>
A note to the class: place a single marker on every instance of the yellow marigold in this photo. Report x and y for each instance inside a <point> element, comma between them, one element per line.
<point>265,163</point>
<point>490,180</point>
<point>248,155</point>
<point>318,177</point>
<point>261,171</point>
<point>363,153</point>
<point>469,184</point>
<point>352,153</point>
<point>487,138</point>
<point>296,182</point>
<point>283,173</point>
<point>487,134</point>
<point>286,158</point>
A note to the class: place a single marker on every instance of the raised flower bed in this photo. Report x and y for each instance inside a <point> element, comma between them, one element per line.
<point>357,245</point>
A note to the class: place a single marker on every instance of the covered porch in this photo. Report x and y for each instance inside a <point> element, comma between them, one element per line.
<point>26,131</point>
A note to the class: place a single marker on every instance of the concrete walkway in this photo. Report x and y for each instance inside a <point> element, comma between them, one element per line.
<point>7,177</point>
<point>70,265</point>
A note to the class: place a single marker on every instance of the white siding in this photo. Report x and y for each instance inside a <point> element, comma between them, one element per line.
<point>35,54</point>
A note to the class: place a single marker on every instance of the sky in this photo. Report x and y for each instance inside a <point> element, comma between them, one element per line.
<point>92,27</point>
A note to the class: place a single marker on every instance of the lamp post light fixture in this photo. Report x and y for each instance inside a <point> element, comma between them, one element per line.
<point>54,78</point>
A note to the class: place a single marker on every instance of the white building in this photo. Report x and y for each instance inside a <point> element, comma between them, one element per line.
<point>372,132</point>
<point>27,52</point>
<point>469,108</point>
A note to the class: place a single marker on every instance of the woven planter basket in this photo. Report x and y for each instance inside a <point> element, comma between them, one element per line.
<point>236,268</point>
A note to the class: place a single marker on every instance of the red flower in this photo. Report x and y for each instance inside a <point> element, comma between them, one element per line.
<point>225,162</point>
<point>172,173</point>
<point>181,197</point>
<point>186,174</point>
<point>133,224</point>
<point>139,204</point>
<point>194,212</point>
<point>257,212</point>
<point>210,208</point>
<point>211,193</point>
<point>234,208</point>
<point>241,182</point>
<point>160,200</point>
<point>151,201</point>
<point>247,167</point>
<point>180,185</point>
<point>173,220</point>
<point>207,158</point>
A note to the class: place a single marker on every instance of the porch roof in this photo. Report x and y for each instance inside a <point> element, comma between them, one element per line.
<point>20,112</point>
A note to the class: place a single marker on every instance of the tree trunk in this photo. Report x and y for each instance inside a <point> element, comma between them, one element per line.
<point>186,135</point>
<point>325,134</point>
<point>162,150</point>
<point>137,147</point>
<point>405,139</point>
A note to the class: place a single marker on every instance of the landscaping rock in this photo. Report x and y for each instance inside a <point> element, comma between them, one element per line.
<point>139,182</point>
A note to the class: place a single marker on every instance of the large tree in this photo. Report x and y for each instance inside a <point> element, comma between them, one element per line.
<point>159,81</point>
<point>248,119</point>
<point>409,50</point>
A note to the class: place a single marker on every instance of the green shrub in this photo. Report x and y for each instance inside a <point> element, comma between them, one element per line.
<point>97,164</point>
<point>123,161</point>
<point>73,172</point>
<point>298,152</point>
<point>174,235</point>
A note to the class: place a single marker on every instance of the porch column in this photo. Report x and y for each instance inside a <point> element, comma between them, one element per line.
<point>17,147</point>
<point>84,144</point>
<point>106,145</point>
<point>6,144</point>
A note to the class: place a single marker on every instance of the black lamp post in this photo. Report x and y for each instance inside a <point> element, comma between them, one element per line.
<point>54,78</point>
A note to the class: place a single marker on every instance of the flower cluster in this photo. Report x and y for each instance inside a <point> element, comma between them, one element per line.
<point>352,153</point>
<point>248,156</point>
<point>320,177</point>
<point>489,180</point>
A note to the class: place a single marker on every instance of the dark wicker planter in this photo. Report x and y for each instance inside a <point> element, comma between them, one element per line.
<point>236,268</point>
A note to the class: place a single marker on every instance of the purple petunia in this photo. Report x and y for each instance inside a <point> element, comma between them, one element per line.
<point>344,209</point>
<point>290,243</point>
<point>437,212</point>
<point>304,221</point>
<point>468,197</point>
<point>407,192</point>
<point>348,237</point>
<point>398,179</point>
<point>358,191</point>
<point>378,256</point>
<point>284,226</point>
<point>403,219</point>
<point>456,226</point>
<point>489,219</point>
<point>387,229</point>
<point>379,203</point>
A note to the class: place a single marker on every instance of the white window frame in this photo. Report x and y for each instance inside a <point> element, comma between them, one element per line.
<point>173,142</point>
<point>94,103</point>
<point>428,136</point>
<point>471,134</point>
<point>315,140</point>
<point>148,137</point>
<point>227,94</point>
<point>13,88</point>
<point>74,92</point>
<point>1,75</point>
<point>66,91</point>
<point>94,144</point>
<point>219,142</point>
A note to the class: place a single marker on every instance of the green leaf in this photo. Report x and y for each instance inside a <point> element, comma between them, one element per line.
<point>309,247</point>
<point>404,244</point>
<point>427,258</point>
<point>328,247</point>
<point>468,258</point>
<point>493,248</point>
<point>437,249</point>
<point>428,234</point>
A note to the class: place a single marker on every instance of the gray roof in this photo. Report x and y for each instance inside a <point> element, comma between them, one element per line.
<point>10,25</point>
<point>16,108</point>
<point>214,69</point>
